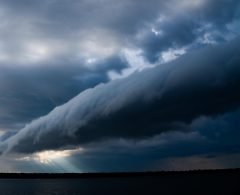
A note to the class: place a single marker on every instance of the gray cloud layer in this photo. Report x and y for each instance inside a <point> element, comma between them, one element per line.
<point>29,92</point>
<point>46,47</point>
<point>52,50</point>
<point>144,104</point>
<point>213,142</point>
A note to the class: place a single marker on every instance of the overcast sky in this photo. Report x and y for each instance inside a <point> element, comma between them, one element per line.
<point>130,85</point>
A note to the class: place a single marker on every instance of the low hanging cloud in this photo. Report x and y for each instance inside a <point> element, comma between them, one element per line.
<point>147,103</point>
<point>52,50</point>
<point>210,138</point>
<point>30,92</point>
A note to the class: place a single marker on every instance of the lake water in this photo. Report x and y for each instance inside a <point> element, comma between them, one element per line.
<point>114,186</point>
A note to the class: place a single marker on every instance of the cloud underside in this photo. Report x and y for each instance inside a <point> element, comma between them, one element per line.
<point>52,50</point>
<point>147,103</point>
<point>119,85</point>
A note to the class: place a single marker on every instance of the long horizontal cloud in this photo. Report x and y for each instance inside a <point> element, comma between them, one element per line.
<point>51,51</point>
<point>210,138</point>
<point>144,104</point>
<point>30,92</point>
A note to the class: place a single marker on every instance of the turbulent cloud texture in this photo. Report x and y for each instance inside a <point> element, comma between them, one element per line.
<point>118,79</point>
<point>164,98</point>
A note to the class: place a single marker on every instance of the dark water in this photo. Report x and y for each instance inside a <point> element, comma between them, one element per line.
<point>138,185</point>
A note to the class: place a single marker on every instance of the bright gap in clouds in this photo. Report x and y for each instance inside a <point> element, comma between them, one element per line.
<point>52,160</point>
<point>172,54</point>
<point>50,156</point>
<point>46,157</point>
<point>55,160</point>
<point>136,61</point>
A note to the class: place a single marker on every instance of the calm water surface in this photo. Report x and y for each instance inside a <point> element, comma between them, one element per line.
<point>114,186</point>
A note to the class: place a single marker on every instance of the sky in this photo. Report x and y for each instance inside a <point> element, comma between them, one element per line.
<point>108,85</point>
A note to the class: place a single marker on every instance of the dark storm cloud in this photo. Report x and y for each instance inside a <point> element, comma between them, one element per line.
<point>223,131</point>
<point>124,16</point>
<point>71,21</point>
<point>53,32</point>
<point>211,140</point>
<point>68,16</point>
<point>183,29</point>
<point>29,92</point>
<point>164,98</point>
<point>135,155</point>
<point>52,50</point>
